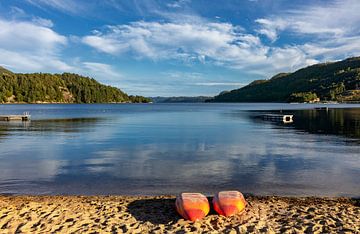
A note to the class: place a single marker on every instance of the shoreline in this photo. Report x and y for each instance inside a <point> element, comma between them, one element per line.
<point>102,103</point>
<point>156,214</point>
<point>68,103</point>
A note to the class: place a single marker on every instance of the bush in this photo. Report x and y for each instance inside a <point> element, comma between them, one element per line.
<point>303,97</point>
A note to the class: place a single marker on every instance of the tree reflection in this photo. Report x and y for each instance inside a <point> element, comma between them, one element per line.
<point>344,122</point>
<point>50,125</point>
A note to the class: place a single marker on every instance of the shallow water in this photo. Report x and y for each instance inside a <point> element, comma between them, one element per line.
<point>169,148</point>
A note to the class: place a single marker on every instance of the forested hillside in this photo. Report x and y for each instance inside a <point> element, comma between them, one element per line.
<point>58,88</point>
<point>337,81</point>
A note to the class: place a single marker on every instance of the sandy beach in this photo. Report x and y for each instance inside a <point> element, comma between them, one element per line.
<point>124,214</point>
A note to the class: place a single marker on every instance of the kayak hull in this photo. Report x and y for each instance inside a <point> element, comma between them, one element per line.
<point>192,206</point>
<point>228,203</point>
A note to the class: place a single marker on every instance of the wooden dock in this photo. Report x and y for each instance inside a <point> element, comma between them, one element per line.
<point>325,108</point>
<point>278,118</point>
<point>24,117</point>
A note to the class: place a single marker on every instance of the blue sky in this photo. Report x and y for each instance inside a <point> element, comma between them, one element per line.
<point>176,47</point>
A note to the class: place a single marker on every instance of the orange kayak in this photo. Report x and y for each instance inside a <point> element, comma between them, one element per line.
<point>192,206</point>
<point>228,203</point>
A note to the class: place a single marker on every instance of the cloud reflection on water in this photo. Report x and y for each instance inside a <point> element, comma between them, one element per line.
<point>168,152</point>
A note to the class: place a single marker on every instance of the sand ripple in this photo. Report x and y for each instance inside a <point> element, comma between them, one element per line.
<point>119,214</point>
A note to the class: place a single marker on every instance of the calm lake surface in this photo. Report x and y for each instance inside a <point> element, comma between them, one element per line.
<point>155,149</point>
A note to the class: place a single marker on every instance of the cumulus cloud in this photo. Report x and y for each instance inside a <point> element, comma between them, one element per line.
<point>317,32</point>
<point>201,42</point>
<point>28,36</point>
<point>221,44</point>
<point>226,44</point>
<point>29,46</point>
<point>327,31</point>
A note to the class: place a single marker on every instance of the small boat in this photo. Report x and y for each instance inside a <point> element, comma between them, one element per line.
<point>228,203</point>
<point>192,206</point>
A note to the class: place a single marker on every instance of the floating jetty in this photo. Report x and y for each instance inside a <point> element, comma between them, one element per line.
<point>278,118</point>
<point>24,117</point>
<point>325,108</point>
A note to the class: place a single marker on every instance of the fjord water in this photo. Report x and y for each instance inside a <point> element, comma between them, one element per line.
<point>151,149</point>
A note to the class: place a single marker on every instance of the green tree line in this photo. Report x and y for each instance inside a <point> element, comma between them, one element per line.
<point>59,88</point>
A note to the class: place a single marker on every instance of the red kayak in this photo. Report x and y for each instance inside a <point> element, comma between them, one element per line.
<point>229,203</point>
<point>192,206</point>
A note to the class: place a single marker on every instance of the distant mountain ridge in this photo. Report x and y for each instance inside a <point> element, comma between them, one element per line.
<point>58,88</point>
<point>180,99</point>
<point>333,81</point>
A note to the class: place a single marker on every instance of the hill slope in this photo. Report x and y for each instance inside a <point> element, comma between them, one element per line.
<point>338,81</point>
<point>58,88</point>
<point>4,71</point>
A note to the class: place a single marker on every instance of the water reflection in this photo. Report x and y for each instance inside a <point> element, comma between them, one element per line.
<point>340,122</point>
<point>191,149</point>
<point>50,125</point>
<point>343,122</point>
<point>157,169</point>
<point>65,125</point>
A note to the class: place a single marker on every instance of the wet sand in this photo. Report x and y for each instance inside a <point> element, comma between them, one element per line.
<point>123,214</point>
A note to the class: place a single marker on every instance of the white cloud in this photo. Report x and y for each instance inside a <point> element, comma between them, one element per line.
<point>104,71</point>
<point>27,36</point>
<point>330,31</point>
<point>24,62</point>
<point>101,8</point>
<point>105,44</point>
<point>330,19</point>
<point>270,28</point>
<point>336,48</point>
<point>321,32</point>
<point>19,14</point>
<point>222,44</point>
<point>288,58</point>
<point>219,42</point>
<point>28,46</point>
<point>69,6</point>
<point>43,22</point>
<point>178,3</point>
